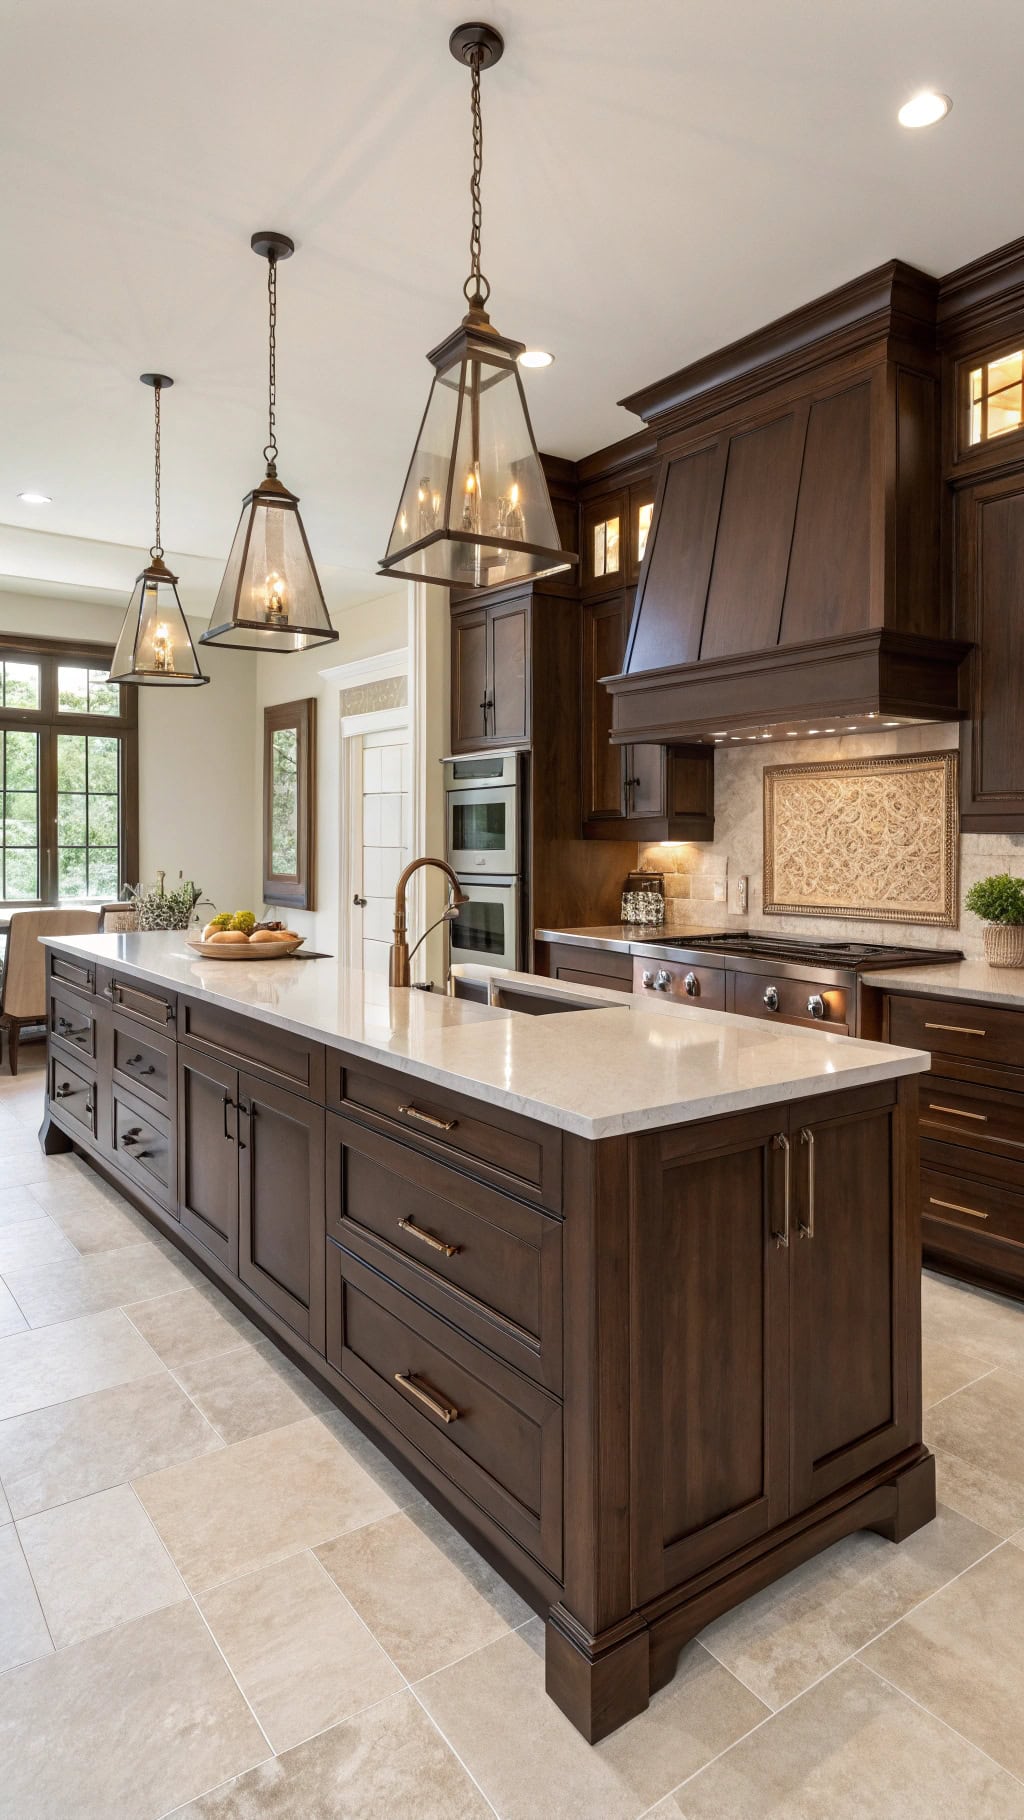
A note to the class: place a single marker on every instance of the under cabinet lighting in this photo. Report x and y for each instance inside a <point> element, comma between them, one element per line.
<point>35,499</point>
<point>924,109</point>
<point>792,736</point>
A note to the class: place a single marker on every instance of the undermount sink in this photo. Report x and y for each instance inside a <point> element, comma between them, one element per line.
<point>536,1002</point>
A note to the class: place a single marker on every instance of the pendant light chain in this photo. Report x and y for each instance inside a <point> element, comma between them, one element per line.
<point>270,452</point>
<point>157,549</point>
<point>481,289</point>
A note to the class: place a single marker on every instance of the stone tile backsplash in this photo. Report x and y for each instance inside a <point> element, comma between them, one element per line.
<point>692,869</point>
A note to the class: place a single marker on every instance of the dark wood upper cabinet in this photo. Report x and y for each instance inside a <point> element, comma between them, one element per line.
<point>491,682</point>
<point>604,534</point>
<point>989,531</point>
<point>641,517</point>
<point>289,804</point>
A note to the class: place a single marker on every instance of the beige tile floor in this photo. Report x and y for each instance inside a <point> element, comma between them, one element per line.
<point>217,1599</point>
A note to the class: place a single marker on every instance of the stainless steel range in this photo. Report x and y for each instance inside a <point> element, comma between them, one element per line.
<point>796,982</point>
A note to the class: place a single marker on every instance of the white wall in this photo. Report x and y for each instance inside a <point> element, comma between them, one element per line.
<point>196,785</point>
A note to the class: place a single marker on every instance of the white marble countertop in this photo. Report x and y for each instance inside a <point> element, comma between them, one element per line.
<point>629,1066</point>
<point>974,980</point>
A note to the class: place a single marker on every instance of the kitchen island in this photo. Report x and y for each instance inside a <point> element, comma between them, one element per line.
<point>631,1292</point>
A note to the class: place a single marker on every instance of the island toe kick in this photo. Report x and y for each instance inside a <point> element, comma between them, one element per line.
<point>646,1374</point>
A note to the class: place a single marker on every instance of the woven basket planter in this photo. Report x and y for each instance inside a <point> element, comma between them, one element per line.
<point>1004,944</point>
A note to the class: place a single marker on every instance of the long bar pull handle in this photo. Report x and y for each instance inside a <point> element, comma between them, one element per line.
<point>228,1102</point>
<point>956,1112</point>
<point>427,1118</point>
<point>446,1411</point>
<point>806,1227</point>
<point>781,1142</point>
<point>958,1207</point>
<point>427,1238</point>
<point>957,1029</point>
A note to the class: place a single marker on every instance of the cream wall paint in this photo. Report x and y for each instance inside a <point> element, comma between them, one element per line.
<point>196,787</point>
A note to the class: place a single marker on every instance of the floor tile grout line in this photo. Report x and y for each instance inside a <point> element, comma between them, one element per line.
<point>39,1601</point>
<point>969,1742</point>
<point>988,1373</point>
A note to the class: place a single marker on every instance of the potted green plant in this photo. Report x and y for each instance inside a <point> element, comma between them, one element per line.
<point>999,901</point>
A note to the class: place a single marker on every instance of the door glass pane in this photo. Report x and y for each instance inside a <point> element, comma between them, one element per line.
<point>479,827</point>
<point>103,755</point>
<point>284,804</point>
<point>70,761</point>
<point>88,815</point>
<point>19,684</point>
<point>19,820</point>
<point>72,872</point>
<point>997,397</point>
<point>643,524</point>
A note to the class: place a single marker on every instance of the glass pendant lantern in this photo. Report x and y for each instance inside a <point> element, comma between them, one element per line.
<point>155,644</point>
<point>270,598</point>
<point>475,509</point>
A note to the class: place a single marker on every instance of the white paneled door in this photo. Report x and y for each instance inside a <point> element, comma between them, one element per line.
<point>386,824</point>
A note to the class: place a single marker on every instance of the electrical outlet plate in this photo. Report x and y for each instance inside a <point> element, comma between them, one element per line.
<point>720,891</point>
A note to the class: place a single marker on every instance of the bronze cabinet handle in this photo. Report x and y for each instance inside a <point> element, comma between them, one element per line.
<point>446,1411</point>
<point>427,1118</point>
<point>955,1112</point>
<point>427,1238</point>
<point>806,1228</point>
<point>228,1102</point>
<point>957,1029</point>
<point>957,1207</point>
<point>781,1142</point>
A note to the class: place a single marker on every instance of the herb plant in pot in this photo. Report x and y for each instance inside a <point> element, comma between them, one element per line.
<point>999,901</point>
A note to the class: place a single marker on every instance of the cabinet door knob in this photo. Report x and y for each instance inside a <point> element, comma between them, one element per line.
<point>771,998</point>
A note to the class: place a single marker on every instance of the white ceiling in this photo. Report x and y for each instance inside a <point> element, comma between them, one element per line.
<point>658,178</point>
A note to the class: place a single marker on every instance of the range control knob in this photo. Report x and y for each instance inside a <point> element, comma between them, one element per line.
<point>662,980</point>
<point>771,997</point>
<point>816,1005</point>
<point>648,979</point>
<point>692,984</point>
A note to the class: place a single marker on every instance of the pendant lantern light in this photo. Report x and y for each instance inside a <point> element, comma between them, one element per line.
<point>270,598</point>
<point>155,644</point>
<point>475,509</point>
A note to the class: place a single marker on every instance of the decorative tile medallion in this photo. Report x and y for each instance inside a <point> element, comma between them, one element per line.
<point>876,838</point>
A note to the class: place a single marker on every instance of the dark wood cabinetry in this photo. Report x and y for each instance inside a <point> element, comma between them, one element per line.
<point>989,531</point>
<point>281,1203</point>
<point>208,1154</point>
<point>491,696</point>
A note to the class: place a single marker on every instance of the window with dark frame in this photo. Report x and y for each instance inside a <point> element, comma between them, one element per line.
<point>68,774</point>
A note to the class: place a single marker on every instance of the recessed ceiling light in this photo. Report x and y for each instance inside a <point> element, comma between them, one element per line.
<point>35,499</point>
<point>536,357</point>
<point>924,108</point>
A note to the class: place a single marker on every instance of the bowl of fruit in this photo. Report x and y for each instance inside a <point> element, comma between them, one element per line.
<point>239,937</point>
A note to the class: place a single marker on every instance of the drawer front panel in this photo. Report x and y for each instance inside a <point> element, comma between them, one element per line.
<point>484,1261</point>
<point>144,1148</point>
<point>972,1205</point>
<point>517,1154</point>
<point>983,1118</point>
<point>583,966</point>
<point>977,1033</point>
<point>72,1023</point>
<point>74,1094</point>
<point>143,1062</point>
<point>150,1004</point>
<point>706,985</point>
<point>278,1055</point>
<point>495,1434</point>
<point>793,996</point>
<point>79,974</point>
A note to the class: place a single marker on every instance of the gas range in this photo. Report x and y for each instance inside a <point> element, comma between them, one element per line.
<point>793,981</point>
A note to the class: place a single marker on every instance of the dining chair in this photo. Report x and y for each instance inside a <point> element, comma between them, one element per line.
<point>23,986</point>
<point>118,919</point>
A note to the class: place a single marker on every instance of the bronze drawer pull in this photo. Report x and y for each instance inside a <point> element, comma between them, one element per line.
<point>955,1112</point>
<point>427,1118</point>
<point>446,1411</point>
<point>806,1228</point>
<point>427,1238</point>
<point>955,1207</point>
<point>781,1142</point>
<point>957,1029</point>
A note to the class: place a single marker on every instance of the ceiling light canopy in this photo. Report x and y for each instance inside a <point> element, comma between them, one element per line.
<point>35,499</point>
<point>475,508</point>
<point>270,598</point>
<point>155,644</point>
<point>924,108</point>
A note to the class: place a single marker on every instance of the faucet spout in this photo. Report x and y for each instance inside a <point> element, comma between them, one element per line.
<point>398,963</point>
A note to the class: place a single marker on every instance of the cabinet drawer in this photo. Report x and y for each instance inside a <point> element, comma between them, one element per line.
<point>73,1094</point>
<point>482,1260</point>
<point>971,1204</point>
<point>143,1062</point>
<point>150,1004</point>
<point>496,1435</point>
<point>143,1148</point>
<point>983,1118</point>
<point>793,996</point>
<point>73,1024</point>
<point>977,1033</point>
<point>520,1155</point>
<point>79,974</point>
<point>583,966</point>
<point>704,986</point>
<point>278,1055</point>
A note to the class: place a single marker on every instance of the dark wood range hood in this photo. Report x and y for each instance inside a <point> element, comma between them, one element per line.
<point>792,572</point>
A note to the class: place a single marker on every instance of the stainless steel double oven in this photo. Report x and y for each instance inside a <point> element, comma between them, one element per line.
<point>485,838</point>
